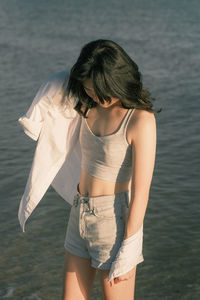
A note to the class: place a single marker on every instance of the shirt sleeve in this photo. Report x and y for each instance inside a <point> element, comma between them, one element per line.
<point>33,119</point>
<point>128,256</point>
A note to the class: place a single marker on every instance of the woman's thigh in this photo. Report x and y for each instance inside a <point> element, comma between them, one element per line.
<point>118,291</point>
<point>78,277</point>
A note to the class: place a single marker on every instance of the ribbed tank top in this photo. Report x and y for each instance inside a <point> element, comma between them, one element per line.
<point>107,157</point>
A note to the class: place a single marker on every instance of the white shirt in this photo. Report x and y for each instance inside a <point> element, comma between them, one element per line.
<point>57,161</point>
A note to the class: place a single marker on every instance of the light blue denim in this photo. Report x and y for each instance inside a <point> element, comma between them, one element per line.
<point>96,227</point>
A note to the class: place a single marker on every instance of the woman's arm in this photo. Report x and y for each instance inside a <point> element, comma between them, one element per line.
<point>143,135</point>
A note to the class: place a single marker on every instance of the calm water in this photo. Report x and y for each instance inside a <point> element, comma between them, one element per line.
<point>42,37</point>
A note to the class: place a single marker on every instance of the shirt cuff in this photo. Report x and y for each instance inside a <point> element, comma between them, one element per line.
<point>31,128</point>
<point>128,256</point>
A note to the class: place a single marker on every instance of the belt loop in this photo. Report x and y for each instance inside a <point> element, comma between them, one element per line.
<point>91,202</point>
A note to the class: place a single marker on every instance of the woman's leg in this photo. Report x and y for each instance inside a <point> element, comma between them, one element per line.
<point>118,291</point>
<point>78,277</point>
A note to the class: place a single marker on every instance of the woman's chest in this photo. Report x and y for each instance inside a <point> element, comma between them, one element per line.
<point>109,124</point>
<point>104,123</point>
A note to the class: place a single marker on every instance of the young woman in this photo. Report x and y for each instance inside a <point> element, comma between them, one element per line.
<point>118,144</point>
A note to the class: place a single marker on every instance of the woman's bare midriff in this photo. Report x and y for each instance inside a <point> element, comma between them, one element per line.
<point>91,186</point>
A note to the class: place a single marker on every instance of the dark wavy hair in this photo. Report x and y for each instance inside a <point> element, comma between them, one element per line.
<point>113,74</point>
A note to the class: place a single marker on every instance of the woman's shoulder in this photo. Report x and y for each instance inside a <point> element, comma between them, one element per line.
<point>141,120</point>
<point>142,115</point>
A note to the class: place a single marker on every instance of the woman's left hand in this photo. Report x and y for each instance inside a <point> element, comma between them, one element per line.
<point>122,277</point>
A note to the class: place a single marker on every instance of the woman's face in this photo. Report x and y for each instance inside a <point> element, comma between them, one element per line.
<point>88,87</point>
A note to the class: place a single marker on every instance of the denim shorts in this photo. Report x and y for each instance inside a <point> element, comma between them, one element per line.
<point>96,227</point>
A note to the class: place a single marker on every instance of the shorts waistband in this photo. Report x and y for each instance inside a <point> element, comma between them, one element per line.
<point>101,199</point>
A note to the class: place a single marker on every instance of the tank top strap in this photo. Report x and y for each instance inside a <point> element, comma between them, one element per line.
<point>125,120</point>
<point>87,112</point>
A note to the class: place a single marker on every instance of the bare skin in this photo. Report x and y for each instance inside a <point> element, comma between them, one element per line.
<point>78,273</point>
